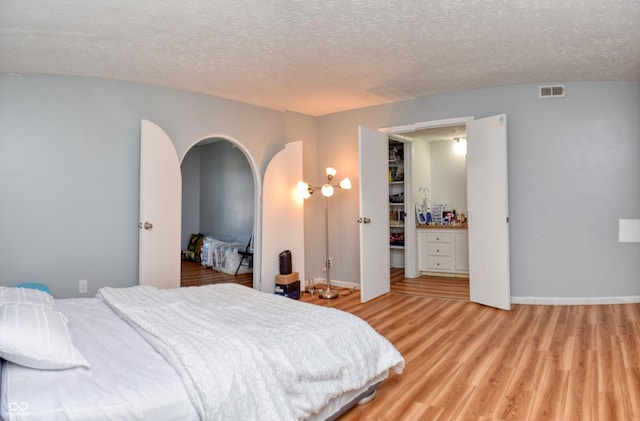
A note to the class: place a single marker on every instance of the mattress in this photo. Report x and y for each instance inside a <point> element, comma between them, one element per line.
<point>244,354</point>
<point>127,380</point>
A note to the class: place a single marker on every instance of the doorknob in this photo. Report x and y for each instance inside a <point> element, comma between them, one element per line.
<point>147,225</point>
<point>364,220</point>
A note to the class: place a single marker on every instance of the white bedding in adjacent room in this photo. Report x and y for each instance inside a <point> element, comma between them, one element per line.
<point>247,355</point>
<point>127,380</point>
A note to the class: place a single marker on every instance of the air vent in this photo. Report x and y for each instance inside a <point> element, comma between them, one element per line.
<point>551,91</point>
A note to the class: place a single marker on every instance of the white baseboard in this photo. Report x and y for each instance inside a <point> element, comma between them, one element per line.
<point>527,300</point>
<point>341,284</point>
<point>575,300</point>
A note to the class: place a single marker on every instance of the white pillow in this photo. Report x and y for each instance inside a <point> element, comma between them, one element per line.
<point>37,337</point>
<point>26,296</point>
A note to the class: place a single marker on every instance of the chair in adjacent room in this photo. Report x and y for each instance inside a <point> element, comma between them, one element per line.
<point>246,253</point>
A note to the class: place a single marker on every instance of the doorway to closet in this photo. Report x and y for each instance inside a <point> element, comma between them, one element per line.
<point>487,190</point>
<point>439,185</point>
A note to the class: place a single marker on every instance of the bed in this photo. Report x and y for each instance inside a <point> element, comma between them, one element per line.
<point>217,352</point>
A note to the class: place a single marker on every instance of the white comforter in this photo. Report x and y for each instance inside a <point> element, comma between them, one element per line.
<point>248,355</point>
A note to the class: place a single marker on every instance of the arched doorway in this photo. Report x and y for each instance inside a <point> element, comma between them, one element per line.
<point>220,192</point>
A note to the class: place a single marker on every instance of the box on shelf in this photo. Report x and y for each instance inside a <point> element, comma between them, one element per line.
<point>290,290</point>
<point>287,279</point>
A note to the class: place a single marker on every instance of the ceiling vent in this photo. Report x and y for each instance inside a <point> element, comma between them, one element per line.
<point>551,91</point>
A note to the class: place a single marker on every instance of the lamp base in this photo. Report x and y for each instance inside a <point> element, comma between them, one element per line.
<point>327,293</point>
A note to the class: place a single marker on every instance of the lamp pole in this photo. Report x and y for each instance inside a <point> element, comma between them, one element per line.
<point>327,293</point>
<point>304,191</point>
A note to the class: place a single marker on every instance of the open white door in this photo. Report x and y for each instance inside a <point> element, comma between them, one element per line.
<point>374,220</point>
<point>283,213</point>
<point>160,199</point>
<point>488,206</point>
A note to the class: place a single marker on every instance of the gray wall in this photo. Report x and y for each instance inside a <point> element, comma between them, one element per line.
<point>190,168</point>
<point>226,192</point>
<point>574,170</point>
<point>217,192</point>
<point>69,183</point>
<point>69,170</point>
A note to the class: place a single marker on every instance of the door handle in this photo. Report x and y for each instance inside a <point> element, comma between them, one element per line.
<point>363,220</point>
<point>147,225</point>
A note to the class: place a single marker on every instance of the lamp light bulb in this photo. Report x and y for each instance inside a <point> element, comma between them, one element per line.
<point>345,183</point>
<point>302,190</point>
<point>327,190</point>
<point>460,147</point>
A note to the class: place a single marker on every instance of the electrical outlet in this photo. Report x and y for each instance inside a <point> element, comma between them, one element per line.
<point>330,262</point>
<point>82,286</point>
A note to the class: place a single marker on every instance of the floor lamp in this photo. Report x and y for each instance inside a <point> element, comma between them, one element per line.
<point>305,191</point>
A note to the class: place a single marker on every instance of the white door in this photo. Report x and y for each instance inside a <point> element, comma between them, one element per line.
<point>283,213</point>
<point>374,220</point>
<point>488,206</point>
<point>160,201</point>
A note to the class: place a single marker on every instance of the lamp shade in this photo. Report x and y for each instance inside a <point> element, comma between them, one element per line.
<point>331,172</point>
<point>345,183</point>
<point>327,190</point>
<point>302,190</point>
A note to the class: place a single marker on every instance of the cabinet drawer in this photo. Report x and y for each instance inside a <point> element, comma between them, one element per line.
<point>439,263</point>
<point>434,237</point>
<point>440,249</point>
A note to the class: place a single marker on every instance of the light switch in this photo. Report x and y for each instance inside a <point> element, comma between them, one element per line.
<point>629,231</point>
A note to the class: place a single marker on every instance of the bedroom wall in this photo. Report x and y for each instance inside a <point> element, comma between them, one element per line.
<point>226,192</point>
<point>448,176</point>
<point>217,192</point>
<point>574,171</point>
<point>69,183</point>
<point>69,170</point>
<point>190,168</point>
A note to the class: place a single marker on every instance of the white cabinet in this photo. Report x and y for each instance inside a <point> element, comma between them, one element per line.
<point>443,250</point>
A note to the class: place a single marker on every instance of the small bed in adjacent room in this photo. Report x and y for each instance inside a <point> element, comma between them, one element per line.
<point>217,352</point>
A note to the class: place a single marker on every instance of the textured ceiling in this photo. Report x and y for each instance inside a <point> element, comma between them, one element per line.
<point>323,56</point>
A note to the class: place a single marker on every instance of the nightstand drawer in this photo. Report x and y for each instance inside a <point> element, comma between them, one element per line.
<point>440,249</point>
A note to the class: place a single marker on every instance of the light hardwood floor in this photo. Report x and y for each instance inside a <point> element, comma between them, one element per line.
<point>465,361</point>
<point>430,286</point>
<point>194,274</point>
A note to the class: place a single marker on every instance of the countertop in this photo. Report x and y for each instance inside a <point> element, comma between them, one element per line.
<point>448,227</point>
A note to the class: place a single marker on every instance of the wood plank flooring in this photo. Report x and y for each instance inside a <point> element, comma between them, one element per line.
<point>449,288</point>
<point>194,274</point>
<point>465,361</point>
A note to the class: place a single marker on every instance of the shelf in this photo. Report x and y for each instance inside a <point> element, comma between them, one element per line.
<point>396,202</point>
